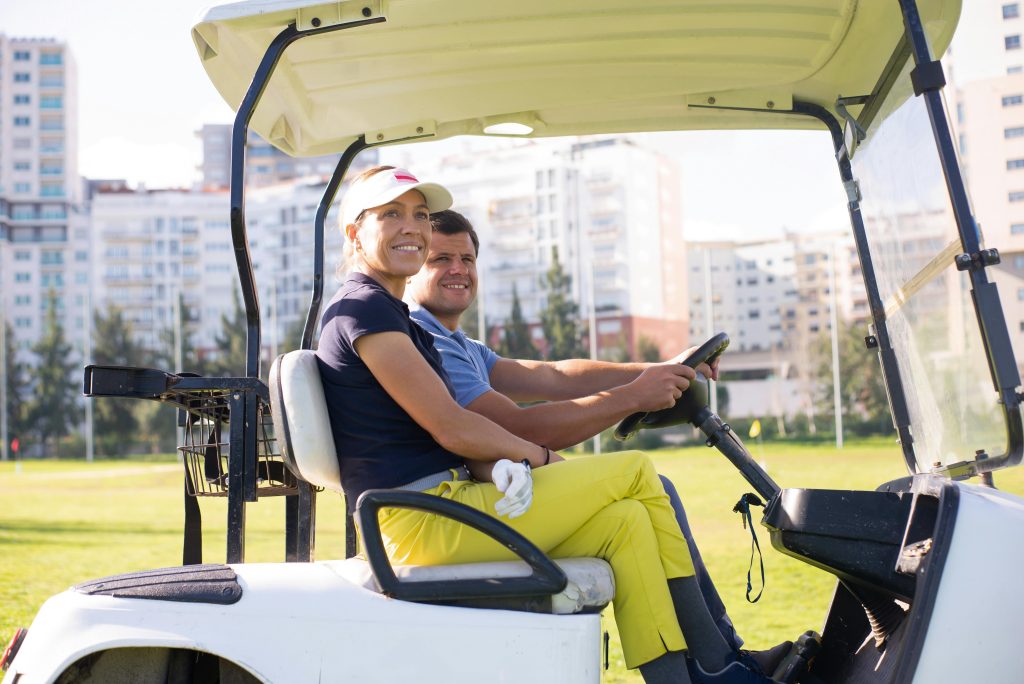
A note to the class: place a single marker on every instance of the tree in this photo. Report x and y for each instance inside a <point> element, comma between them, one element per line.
<point>17,386</point>
<point>165,357</point>
<point>231,350</point>
<point>647,349</point>
<point>559,319</point>
<point>515,341</point>
<point>114,344</point>
<point>54,408</point>
<point>293,335</point>
<point>862,393</point>
<point>470,321</point>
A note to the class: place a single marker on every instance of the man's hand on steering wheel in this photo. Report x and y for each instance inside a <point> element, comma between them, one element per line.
<point>708,371</point>
<point>661,385</point>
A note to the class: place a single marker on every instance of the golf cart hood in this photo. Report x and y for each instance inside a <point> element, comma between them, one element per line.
<point>430,69</point>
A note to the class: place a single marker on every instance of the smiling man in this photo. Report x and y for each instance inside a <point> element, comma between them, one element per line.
<point>578,398</point>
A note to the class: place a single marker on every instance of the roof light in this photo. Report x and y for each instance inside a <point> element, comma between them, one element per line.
<point>508,128</point>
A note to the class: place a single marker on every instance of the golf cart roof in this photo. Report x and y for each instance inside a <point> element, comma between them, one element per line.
<point>429,69</point>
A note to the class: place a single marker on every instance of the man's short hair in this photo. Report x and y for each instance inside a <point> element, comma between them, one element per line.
<point>450,222</point>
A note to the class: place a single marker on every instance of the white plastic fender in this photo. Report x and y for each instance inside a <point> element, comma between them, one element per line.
<point>974,631</point>
<point>301,622</point>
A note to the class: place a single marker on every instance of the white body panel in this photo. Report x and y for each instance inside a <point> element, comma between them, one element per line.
<point>301,622</point>
<point>974,631</point>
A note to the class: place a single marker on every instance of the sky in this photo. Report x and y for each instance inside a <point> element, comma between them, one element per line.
<point>143,94</point>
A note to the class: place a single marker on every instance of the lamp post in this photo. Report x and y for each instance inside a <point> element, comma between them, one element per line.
<point>834,325</point>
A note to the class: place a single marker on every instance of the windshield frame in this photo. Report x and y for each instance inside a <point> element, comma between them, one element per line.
<point>928,81</point>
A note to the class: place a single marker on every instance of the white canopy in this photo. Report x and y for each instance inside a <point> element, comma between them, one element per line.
<point>438,68</point>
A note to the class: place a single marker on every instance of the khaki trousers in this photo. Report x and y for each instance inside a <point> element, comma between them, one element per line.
<point>612,507</point>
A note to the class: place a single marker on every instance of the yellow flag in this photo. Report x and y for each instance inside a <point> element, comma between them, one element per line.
<point>755,428</point>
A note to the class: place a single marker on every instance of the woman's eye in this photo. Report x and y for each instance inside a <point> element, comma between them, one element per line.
<point>422,216</point>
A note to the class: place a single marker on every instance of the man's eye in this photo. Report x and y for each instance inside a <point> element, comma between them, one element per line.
<point>422,216</point>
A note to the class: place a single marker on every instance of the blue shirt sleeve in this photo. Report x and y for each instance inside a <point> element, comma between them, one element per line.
<point>468,367</point>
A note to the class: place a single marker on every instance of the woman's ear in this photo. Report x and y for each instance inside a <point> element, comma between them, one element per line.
<point>351,230</point>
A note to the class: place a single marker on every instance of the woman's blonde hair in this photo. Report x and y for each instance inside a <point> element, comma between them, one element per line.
<point>348,250</point>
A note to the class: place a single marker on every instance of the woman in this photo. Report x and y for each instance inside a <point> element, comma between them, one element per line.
<point>396,424</point>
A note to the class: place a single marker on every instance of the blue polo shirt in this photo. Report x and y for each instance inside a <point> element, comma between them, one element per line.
<point>467,362</point>
<point>378,443</point>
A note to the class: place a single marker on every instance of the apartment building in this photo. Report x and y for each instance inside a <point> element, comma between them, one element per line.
<point>609,206</point>
<point>774,298</point>
<point>987,68</point>
<point>44,238</point>
<point>264,164</point>
<point>152,245</point>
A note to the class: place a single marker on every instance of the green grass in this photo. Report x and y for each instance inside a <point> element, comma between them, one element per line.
<point>65,522</point>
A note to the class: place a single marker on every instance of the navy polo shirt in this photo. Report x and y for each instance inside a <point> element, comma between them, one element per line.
<point>378,443</point>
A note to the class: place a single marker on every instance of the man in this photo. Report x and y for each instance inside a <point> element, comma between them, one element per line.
<point>580,398</point>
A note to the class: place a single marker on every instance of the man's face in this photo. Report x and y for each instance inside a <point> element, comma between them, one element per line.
<point>446,285</point>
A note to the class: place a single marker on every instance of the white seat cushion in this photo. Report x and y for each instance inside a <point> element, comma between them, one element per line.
<point>296,387</point>
<point>591,583</point>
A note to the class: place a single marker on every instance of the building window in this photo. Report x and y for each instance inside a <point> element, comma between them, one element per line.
<point>22,188</point>
<point>1014,164</point>
<point>1012,42</point>
<point>51,102</point>
<point>1013,132</point>
<point>22,55</point>
<point>22,255</point>
<point>51,58</point>
<point>22,300</point>
<point>51,257</point>
<point>22,99</point>
<point>22,166</point>
<point>22,77</point>
<point>1011,10</point>
<point>1015,69</point>
<point>22,143</point>
<point>1018,262</point>
<point>22,121</point>
<point>1013,100</point>
<point>1017,196</point>
<point>1017,229</point>
<point>23,277</point>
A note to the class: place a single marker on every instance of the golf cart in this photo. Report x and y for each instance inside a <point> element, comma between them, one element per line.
<point>924,564</point>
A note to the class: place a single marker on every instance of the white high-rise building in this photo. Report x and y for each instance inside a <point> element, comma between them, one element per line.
<point>774,298</point>
<point>44,240</point>
<point>151,246</point>
<point>987,69</point>
<point>609,207</point>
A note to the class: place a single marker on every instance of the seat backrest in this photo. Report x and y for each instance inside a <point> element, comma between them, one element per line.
<point>301,422</point>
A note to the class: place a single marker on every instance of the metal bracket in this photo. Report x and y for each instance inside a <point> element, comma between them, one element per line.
<point>961,470</point>
<point>927,76</point>
<point>978,260</point>
<point>841,103</point>
<point>871,342</point>
<point>852,187</point>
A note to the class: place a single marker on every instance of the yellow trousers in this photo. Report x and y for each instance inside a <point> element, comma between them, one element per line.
<point>612,507</point>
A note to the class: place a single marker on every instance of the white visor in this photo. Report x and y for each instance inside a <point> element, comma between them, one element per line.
<point>385,186</point>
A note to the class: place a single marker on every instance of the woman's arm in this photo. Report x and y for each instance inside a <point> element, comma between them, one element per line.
<point>407,377</point>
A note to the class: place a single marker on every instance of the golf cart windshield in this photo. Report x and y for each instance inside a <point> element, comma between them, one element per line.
<point>913,239</point>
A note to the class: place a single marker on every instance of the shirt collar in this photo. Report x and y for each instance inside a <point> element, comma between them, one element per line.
<point>430,322</point>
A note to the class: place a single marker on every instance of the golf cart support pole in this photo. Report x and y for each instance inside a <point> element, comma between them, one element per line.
<point>300,508</point>
<point>928,81</point>
<point>886,354</point>
<point>242,458</point>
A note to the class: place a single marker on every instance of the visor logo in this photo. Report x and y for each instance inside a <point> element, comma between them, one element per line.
<point>408,177</point>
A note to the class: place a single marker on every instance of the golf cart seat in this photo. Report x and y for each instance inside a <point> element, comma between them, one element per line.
<point>536,584</point>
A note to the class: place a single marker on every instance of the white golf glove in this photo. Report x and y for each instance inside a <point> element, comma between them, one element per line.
<point>515,481</point>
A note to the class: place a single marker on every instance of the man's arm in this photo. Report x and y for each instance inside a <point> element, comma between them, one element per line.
<point>522,380</point>
<point>560,424</point>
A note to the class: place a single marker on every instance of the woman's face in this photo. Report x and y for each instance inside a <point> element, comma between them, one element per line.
<point>390,244</point>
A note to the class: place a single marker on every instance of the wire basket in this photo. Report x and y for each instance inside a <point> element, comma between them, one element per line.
<point>206,446</point>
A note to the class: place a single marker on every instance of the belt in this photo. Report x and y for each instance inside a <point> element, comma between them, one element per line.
<point>430,481</point>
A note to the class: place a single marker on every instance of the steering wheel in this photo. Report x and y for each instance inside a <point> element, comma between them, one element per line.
<point>693,399</point>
